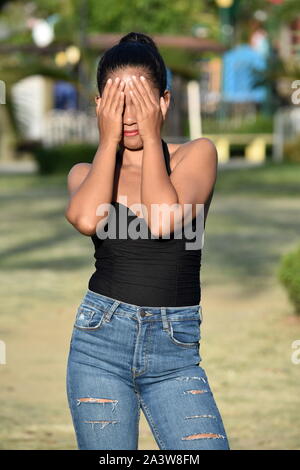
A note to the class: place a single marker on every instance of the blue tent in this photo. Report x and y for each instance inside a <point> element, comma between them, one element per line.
<point>241,67</point>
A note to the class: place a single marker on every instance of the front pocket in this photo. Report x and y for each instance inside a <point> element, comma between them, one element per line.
<point>185,333</point>
<point>89,317</point>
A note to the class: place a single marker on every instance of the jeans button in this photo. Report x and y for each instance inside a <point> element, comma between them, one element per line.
<point>142,312</point>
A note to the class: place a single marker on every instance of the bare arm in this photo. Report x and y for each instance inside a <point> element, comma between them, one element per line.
<point>92,184</point>
<point>170,202</point>
<point>191,182</point>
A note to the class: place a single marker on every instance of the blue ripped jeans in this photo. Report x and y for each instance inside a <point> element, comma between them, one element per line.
<point>123,358</point>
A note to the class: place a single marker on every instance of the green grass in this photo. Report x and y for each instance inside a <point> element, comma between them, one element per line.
<point>269,180</point>
<point>248,326</point>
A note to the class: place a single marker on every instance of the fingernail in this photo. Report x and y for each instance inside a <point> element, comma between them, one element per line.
<point>142,78</point>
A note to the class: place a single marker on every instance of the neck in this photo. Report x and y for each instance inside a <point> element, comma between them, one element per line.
<point>130,158</point>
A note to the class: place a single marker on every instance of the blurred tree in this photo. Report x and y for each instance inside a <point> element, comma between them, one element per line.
<point>155,16</point>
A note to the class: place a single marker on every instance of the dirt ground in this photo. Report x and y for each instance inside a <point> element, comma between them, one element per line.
<point>248,323</point>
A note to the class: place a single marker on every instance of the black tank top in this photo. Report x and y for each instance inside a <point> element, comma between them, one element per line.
<point>149,272</point>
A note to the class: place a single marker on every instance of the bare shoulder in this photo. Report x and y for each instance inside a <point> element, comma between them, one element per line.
<point>76,175</point>
<point>202,147</point>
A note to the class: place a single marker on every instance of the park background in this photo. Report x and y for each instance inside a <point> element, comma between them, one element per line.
<point>234,75</point>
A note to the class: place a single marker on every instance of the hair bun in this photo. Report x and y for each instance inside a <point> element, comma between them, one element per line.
<point>138,38</point>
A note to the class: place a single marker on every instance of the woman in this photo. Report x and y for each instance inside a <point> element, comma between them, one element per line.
<point>136,335</point>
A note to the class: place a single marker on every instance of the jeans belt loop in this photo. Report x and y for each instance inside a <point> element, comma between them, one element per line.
<point>109,313</point>
<point>164,319</point>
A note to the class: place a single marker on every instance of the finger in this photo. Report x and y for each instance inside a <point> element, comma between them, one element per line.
<point>106,91</point>
<point>115,103</point>
<point>111,97</point>
<point>120,105</point>
<point>135,101</point>
<point>141,94</point>
<point>145,83</point>
<point>146,93</point>
<point>137,94</point>
<point>112,93</point>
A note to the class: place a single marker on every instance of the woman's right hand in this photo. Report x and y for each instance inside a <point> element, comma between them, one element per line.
<point>109,111</point>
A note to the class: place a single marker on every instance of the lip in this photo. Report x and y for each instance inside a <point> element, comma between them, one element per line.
<point>131,133</point>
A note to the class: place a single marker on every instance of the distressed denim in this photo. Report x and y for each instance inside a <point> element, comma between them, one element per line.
<point>124,357</point>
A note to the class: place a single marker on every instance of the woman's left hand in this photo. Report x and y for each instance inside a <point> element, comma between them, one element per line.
<point>150,112</point>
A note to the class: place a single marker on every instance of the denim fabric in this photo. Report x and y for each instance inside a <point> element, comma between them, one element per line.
<point>124,357</point>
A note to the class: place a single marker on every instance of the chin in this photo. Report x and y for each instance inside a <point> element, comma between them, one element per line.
<point>132,143</point>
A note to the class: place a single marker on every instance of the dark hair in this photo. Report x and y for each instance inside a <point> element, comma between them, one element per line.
<point>133,49</point>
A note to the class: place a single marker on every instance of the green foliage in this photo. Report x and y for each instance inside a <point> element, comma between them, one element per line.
<point>148,16</point>
<point>60,158</point>
<point>181,62</point>
<point>284,13</point>
<point>289,276</point>
<point>261,124</point>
